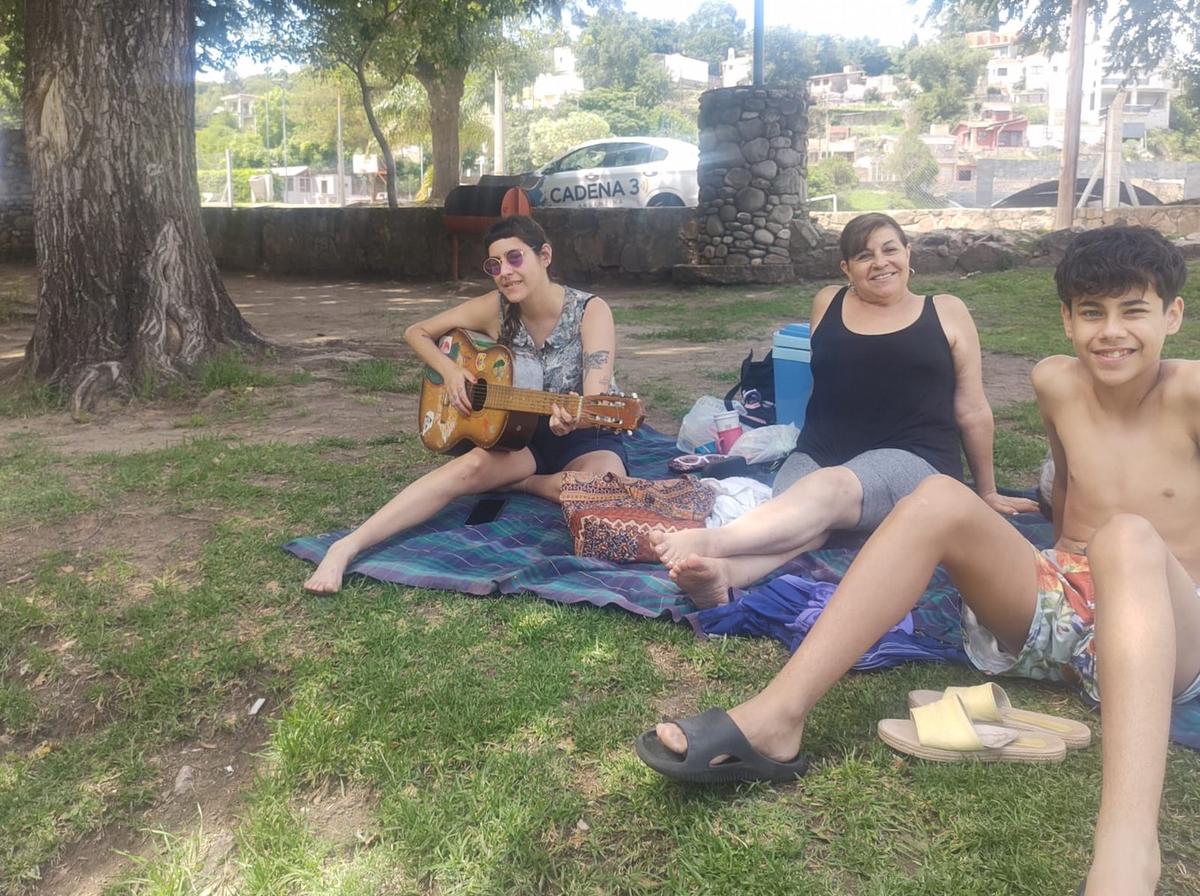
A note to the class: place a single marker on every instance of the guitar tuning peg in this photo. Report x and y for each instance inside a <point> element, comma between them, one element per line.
<point>633,395</point>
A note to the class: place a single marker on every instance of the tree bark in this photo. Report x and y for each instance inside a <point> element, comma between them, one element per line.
<point>444,87</point>
<point>389,161</point>
<point>129,291</point>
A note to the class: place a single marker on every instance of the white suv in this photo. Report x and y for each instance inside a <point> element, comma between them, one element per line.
<point>620,172</point>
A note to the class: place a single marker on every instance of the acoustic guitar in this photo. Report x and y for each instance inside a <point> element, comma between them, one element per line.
<point>503,416</point>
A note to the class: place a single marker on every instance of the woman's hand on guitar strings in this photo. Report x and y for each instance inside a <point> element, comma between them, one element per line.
<point>561,421</point>
<point>458,385</point>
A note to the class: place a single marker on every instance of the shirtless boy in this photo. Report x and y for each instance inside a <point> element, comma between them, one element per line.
<point>1124,429</point>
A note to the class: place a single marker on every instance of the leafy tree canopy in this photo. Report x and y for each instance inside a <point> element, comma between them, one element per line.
<point>791,57</point>
<point>1142,34</point>
<point>947,71</point>
<point>914,164</point>
<point>830,176</point>
<point>552,136</point>
<point>710,31</point>
<point>611,48</point>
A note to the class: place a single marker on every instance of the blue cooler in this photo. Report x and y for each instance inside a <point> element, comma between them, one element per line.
<point>792,352</point>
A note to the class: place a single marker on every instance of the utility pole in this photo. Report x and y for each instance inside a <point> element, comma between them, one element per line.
<point>340,192</point>
<point>498,162</point>
<point>758,43</point>
<point>283,116</point>
<point>1112,150</point>
<point>1064,213</point>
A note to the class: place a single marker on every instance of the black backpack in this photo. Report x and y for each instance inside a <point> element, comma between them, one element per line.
<point>756,386</point>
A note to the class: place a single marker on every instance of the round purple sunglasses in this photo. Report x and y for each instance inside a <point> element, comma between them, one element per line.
<point>514,257</point>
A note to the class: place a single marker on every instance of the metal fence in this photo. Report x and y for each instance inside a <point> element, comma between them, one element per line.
<point>222,181</point>
<point>1006,163</point>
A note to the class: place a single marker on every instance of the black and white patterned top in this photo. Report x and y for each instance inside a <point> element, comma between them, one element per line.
<point>558,365</point>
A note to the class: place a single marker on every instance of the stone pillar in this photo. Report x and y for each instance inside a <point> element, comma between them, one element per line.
<point>16,199</point>
<point>752,179</point>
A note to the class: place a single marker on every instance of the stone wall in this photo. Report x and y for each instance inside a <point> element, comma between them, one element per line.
<point>751,174</point>
<point>16,199</point>
<point>1172,220</point>
<point>412,243</point>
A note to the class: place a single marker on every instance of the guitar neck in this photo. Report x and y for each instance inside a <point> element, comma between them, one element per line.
<point>510,398</point>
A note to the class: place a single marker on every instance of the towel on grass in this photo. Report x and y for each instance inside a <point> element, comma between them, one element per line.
<point>526,549</point>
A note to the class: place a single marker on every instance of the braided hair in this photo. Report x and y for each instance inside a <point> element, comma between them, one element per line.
<point>529,232</point>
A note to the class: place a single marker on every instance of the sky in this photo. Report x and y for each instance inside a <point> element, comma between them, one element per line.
<point>891,22</point>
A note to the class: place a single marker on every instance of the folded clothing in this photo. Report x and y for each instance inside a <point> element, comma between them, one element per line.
<point>734,496</point>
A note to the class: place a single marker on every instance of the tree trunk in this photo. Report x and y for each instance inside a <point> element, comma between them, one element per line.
<point>444,87</point>
<point>389,161</point>
<point>129,290</point>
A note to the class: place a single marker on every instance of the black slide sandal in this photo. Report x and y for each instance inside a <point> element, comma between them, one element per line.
<point>711,734</point>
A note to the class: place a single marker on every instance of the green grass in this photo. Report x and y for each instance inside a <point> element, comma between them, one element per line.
<point>382,375</point>
<point>482,732</point>
<point>485,743</point>
<point>1016,311</point>
<point>871,201</point>
<point>231,370</point>
<point>29,400</point>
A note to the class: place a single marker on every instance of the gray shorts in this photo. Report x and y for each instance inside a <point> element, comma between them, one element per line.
<point>886,476</point>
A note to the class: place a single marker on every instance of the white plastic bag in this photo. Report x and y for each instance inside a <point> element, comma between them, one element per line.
<point>765,444</point>
<point>698,431</point>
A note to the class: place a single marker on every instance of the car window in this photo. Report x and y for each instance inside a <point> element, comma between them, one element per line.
<point>585,157</point>
<point>628,154</point>
<point>658,153</point>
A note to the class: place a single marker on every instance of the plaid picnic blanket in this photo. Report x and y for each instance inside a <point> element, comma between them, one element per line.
<point>528,549</point>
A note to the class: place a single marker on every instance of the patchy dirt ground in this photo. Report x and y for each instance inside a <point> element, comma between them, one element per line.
<point>319,325</point>
<point>316,326</point>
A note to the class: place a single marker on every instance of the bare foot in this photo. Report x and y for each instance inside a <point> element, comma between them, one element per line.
<point>705,579</point>
<point>765,726</point>
<point>328,576</point>
<point>674,547</point>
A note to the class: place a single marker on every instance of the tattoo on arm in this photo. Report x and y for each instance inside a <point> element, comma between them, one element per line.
<point>595,360</point>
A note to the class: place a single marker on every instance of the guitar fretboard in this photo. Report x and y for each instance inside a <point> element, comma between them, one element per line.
<point>510,398</point>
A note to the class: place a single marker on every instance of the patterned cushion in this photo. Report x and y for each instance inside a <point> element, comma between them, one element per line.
<point>611,517</point>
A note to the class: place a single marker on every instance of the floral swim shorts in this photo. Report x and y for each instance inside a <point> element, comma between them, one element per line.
<point>1061,644</point>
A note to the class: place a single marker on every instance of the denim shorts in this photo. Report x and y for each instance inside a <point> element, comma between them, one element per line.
<point>552,453</point>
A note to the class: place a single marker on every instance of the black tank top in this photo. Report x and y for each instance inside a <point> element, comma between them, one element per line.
<point>892,390</point>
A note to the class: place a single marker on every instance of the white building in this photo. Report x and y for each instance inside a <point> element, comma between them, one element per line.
<point>683,70</point>
<point>1041,79</point>
<point>551,88</point>
<point>736,70</point>
<point>241,107</point>
<point>838,86</point>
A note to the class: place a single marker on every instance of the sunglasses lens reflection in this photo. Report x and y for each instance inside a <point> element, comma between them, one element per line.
<point>514,257</point>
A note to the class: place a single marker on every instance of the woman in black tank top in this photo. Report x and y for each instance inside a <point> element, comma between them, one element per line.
<point>897,394</point>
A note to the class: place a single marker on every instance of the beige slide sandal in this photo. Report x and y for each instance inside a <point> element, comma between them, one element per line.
<point>989,703</point>
<point>943,732</point>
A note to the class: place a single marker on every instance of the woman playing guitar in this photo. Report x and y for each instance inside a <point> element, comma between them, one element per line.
<point>562,340</point>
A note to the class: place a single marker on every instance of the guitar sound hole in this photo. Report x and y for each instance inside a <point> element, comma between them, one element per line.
<point>478,395</point>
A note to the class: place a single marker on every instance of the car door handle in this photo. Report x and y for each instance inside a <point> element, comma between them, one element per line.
<point>649,174</point>
<point>591,177</point>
